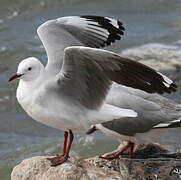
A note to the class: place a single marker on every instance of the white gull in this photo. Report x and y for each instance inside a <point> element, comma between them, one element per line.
<point>69,93</point>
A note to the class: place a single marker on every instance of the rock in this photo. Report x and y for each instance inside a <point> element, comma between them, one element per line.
<point>167,166</point>
<point>39,168</point>
<point>159,56</point>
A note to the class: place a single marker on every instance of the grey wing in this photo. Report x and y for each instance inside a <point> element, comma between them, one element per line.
<point>82,79</point>
<point>127,126</point>
<point>87,74</point>
<point>132,126</point>
<point>90,31</point>
<point>154,111</point>
<point>149,115</point>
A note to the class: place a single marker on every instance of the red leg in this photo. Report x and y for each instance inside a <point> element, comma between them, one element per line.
<point>63,150</point>
<point>71,138</point>
<point>65,143</point>
<point>63,158</point>
<point>91,130</point>
<point>131,149</point>
<point>129,144</point>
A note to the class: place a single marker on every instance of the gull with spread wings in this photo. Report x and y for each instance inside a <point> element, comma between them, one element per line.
<point>70,92</point>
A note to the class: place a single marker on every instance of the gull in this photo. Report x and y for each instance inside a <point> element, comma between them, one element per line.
<point>156,115</point>
<point>69,92</point>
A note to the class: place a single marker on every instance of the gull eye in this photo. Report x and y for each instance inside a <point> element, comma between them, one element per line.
<point>29,69</point>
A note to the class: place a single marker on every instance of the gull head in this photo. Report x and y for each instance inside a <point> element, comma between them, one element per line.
<point>28,69</point>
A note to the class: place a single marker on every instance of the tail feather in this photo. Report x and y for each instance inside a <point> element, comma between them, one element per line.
<point>171,124</point>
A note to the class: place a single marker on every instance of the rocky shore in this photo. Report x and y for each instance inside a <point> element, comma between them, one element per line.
<point>150,162</point>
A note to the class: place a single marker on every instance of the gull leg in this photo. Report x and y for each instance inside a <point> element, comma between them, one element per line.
<point>63,150</point>
<point>131,149</point>
<point>129,145</point>
<point>63,158</point>
<point>91,130</point>
<point>65,143</point>
<point>71,138</point>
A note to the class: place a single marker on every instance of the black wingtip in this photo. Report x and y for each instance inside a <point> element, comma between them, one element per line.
<point>114,27</point>
<point>168,85</point>
<point>140,76</point>
<point>172,124</point>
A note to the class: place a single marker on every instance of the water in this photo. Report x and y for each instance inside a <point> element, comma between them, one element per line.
<point>20,137</point>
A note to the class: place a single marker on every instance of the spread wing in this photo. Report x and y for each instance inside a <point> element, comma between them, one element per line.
<point>90,31</point>
<point>87,74</point>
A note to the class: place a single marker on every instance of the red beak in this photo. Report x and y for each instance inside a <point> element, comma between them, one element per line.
<point>14,77</point>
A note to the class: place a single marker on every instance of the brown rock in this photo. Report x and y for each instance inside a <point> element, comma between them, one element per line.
<point>144,169</point>
<point>162,166</point>
<point>38,168</point>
